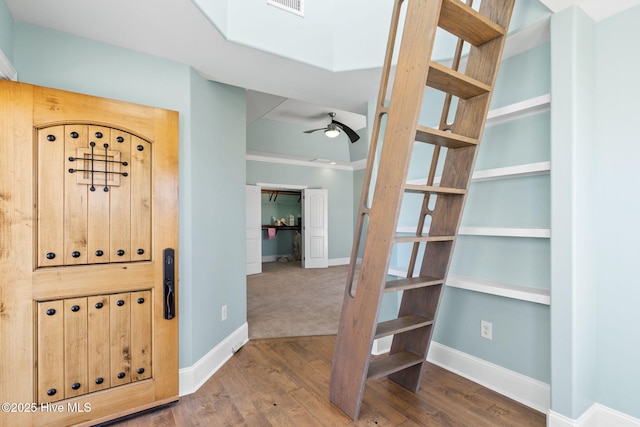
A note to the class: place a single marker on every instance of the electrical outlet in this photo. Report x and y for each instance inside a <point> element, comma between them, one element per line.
<point>224,312</point>
<point>486,329</point>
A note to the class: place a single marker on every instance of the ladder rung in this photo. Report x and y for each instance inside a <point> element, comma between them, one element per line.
<point>411,283</point>
<point>424,189</point>
<point>447,80</point>
<point>442,138</point>
<point>468,24</point>
<point>401,324</point>
<point>392,363</point>
<point>414,239</point>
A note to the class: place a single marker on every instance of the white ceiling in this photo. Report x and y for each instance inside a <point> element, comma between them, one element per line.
<point>177,30</point>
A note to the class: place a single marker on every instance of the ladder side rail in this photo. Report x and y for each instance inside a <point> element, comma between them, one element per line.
<point>373,145</point>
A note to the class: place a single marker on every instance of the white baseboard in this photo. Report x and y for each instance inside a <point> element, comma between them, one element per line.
<point>528,391</point>
<point>596,416</point>
<point>332,261</point>
<point>381,345</point>
<point>193,377</point>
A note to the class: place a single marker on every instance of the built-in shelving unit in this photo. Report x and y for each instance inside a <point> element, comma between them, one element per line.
<point>497,116</point>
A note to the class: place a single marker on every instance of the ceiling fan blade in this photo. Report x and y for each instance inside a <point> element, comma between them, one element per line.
<point>353,136</point>
<point>313,130</point>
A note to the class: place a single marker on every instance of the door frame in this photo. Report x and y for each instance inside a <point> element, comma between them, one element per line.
<point>254,230</point>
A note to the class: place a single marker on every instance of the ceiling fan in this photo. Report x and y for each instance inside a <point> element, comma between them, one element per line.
<point>334,128</point>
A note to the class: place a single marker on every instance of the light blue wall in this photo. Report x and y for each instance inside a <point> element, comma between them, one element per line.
<point>573,283</point>
<point>516,142</point>
<point>520,330</point>
<point>595,156</point>
<point>216,212</point>
<point>266,135</point>
<point>616,209</point>
<point>6,30</point>
<point>62,61</point>
<point>212,145</point>
<point>523,77</point>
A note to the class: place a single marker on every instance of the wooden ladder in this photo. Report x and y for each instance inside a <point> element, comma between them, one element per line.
<point>469,92</point>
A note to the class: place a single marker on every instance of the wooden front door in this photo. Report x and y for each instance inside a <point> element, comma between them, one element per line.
<point>89,236</point>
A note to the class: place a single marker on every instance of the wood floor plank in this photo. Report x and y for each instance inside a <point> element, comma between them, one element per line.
<point>285,382</point>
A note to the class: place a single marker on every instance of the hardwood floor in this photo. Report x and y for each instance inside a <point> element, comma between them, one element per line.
<point>285,382</point>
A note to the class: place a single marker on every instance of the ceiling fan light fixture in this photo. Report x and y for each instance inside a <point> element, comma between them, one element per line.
<point>332,131</point>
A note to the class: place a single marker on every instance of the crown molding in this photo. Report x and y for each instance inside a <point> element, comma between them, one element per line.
<point>313,163</point>
<point>7,72</point>
<point>596,9</point>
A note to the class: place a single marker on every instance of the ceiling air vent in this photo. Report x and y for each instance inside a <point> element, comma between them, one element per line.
<point>293,6</point>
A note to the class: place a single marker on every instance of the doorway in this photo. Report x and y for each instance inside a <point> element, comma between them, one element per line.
<point>301,210</point>
<point>281,225</point>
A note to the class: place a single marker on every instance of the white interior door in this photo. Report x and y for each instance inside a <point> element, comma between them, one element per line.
<point>254,230</point>
<point>315,218</point>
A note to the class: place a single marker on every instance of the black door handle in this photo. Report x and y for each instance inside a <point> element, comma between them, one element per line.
<point>169,283</point>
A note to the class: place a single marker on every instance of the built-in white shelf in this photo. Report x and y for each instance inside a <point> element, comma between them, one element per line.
<point>506,290</point>
<point>536,233</point>
<point>519,110</point>
<point>520,292</point>
<point>517,171</point>
<point>539,233</point>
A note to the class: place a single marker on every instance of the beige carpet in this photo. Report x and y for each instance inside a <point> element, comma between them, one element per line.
<point>286,300</point>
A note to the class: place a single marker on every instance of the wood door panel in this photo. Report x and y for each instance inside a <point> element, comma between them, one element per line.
<point>141,306</point>
<point>120,207</point>
<point>98,227</point>
<point>98,215</point>
<point>50,187</point>
<point>75,200</point>
<point>140,199</point>
<point>50,351</point>
<point>120,338</point>
<point>98,345</point>
<point>75,347</point>
<point>45,208</point>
